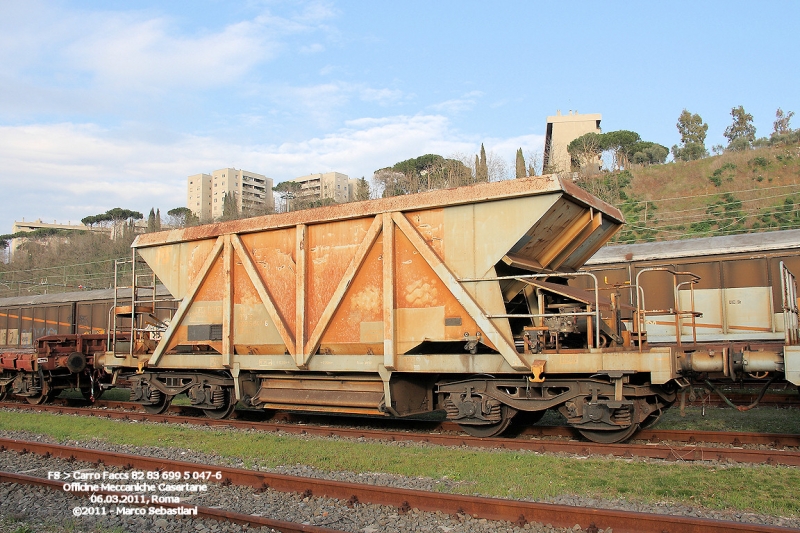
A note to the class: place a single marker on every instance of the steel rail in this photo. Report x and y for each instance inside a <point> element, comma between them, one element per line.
<point>653,450</point>
<point>735,438</point>
<point>202,512</point>
<point>515,511</point>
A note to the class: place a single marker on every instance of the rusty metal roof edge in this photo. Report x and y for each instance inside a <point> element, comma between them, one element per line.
<point>591,201</point>
<point>73,296</point>
<point>479,192</point>
<point>753,243</point>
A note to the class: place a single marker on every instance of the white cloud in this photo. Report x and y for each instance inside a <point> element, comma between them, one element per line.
<point>68,171</point>
<point>381,96</point>
<point>310,49</point>
<point>121,53</point>
<point>507,147</point>
<point>458,105</point>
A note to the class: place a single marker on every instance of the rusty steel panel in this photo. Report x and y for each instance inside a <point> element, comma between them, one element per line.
<point>340,286</point>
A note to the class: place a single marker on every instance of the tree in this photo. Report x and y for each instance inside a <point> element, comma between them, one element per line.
<point>158,219</point>
<point>182,217</point>
<point>585,150</point>
<point>390,182</point>
<point>693,137</point>
<point>118,215</point>
<point>151,221</point>
<point>482,170</point>
<point>781,124</point>
<point>534,160</point>
<point>429,171</point>
<point>649,153</point>
<point>520,164</point>
<point>120,220</point>
<point>620,144</point>
<point>288,190</point>
<point>230,210</point>
<point>362,189</point>
<point>742,132</point>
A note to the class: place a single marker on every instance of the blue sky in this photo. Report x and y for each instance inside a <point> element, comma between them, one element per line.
<point>106,104</point>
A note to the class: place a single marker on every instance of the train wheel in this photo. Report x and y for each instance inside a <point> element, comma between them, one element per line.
<point>39,399</point>
<point>3,393</point>
<point>225,411</point>
<point>45,396</point>
<point>160,406</point>
<point>491,430</point>
<point>610,436</point>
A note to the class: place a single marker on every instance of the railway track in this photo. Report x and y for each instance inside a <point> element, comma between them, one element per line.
<point>202,512</point>
<point>734,438</point>
<point>668,445</point>
<point>514,511</point>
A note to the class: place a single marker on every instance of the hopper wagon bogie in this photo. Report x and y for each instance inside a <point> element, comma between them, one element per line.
<point>454,300</point>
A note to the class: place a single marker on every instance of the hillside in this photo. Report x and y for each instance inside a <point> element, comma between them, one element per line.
<point>735,192</point>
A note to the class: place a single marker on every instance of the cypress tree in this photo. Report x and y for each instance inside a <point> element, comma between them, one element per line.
<point>362,189</point>
<point>520,164</point>
<point>151,221</point>
<point>484,169</point>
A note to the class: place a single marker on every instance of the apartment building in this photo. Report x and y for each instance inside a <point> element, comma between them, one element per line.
<point>206,192</point>
<point>333,185</point>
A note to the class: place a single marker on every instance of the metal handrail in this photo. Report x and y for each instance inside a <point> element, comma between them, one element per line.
<point>641,313</point>
<point>791,324</point>
<point>522,278</point>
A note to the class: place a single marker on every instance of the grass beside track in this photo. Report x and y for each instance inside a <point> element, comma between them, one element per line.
<point>761,489</point>
<point>759,420</point>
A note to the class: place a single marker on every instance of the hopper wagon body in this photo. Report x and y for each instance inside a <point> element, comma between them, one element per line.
<point>469,301</point>
<point>398,306</point>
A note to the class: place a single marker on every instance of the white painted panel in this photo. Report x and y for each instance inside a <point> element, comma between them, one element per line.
<point>749,309</point>
<point>252,325</point>
<point>708,302</point>
<point>203,313</point>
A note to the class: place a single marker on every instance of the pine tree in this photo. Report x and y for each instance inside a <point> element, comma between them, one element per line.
<point>520,164</point>
<point>158,219</point>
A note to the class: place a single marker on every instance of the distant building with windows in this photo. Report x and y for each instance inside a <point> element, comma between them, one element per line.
<point>206,192</point>
<point>333,185</point>
<point>562,130</point>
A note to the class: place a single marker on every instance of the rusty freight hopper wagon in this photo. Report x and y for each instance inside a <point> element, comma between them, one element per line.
<point>397,306</point>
